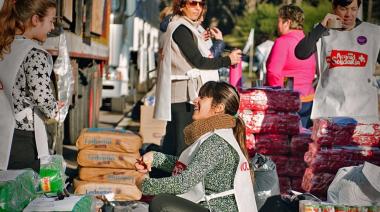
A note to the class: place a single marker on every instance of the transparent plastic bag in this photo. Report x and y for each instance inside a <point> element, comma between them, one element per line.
<point>17,189</point>
<point>52,174</point>
<point>72,203</point>
<point>125,206</point>
<point>65,83</point>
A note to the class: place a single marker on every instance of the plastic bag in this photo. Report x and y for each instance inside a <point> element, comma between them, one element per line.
<point>342,131</point>
<point>52,174</point>
<point>316,182</point>
<point>125,206</point>
<point>266,180</point>
<point>17,189</point>
<point>356,185</point>
<point>271,122</point>
<point>72,203</point>
<point>65,83</point>
<point>272,144</point>
<point>268,98</point>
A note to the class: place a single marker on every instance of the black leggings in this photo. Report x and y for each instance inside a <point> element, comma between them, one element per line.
<point>169,203</point>
<point>24,151</point>
<point>174,142</point>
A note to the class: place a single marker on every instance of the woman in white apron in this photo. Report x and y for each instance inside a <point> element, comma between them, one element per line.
<point>213,172</point>
<point>184,54</point>
<point>25,69</point>
<point>347,50</point>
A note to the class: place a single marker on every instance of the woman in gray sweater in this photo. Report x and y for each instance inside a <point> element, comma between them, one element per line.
<point>213,172</point>
<point>183,50</point>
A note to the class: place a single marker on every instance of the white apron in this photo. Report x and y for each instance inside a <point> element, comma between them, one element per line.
<point>204,48</point>
<point>162,110</point>
<point>7,125</point>
<point>346,85</point>
<point>9,67</point>
<point>243,186</point>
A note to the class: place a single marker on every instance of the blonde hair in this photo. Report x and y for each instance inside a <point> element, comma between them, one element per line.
<point>294,14</point>
<point>165,12</point>
<point>15,15</point>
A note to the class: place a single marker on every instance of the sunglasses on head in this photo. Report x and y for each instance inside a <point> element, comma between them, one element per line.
<point>196,3</point>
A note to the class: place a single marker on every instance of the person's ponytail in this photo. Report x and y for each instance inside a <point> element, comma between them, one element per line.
<point>239,133</point>
<point>224,93</point>
<point>8,25</point>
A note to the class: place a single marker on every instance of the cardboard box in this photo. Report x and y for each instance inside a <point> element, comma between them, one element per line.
<point>151,130</point>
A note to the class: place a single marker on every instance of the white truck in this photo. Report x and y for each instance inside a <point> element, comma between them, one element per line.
<point>133,48</point>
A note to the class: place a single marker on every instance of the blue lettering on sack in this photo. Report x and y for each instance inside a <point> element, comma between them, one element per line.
<point>98,141</point>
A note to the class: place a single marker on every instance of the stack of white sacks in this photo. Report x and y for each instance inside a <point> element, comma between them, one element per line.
<point>106,158</point>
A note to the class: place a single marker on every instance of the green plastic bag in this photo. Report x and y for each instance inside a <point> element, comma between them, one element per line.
<point>17,189</point>
<point>52,174</point>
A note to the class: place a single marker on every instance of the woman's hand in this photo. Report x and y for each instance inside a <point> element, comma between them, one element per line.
<point>235,56</point>
<point>328,18</point>
<point>216,33</point>
<point>60,104</point>
<point>206,35</point>
<point>144,164</point>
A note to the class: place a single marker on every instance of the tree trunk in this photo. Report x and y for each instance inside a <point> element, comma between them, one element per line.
<point>250,5</point>
<point>298,2</point>
<point>369,15</point>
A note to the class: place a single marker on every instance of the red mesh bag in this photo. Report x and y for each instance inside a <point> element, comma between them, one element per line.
<point>299,144</point>
<point>272,144</point>
<point>317,183</point>
<point>270,122</point>
<point>270,99</point>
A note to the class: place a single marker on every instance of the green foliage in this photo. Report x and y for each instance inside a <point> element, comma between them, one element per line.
<point>264,21</point>
<point>314,15</point>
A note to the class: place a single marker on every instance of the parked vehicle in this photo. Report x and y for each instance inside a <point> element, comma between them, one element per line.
<point>133,47</point>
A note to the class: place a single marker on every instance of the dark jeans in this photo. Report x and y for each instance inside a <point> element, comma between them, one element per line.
<point>173,143</point>
<point>172,203</point>
<point>24,151</point>
<point>305,113</point>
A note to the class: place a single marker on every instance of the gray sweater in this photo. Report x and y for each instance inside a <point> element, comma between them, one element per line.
<point>215,162</point>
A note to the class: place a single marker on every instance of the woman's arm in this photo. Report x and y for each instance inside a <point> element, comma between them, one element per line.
<point>307,46</point>
<point>211,152</point>
<point>164,162</point>
<point>217,43</point>
<point>276,62</point>
<point>185,41</point>
<point>38,83</point>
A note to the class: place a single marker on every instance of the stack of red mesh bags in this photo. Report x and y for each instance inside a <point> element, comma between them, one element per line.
<point>337,143</point>
<point>272,128</point>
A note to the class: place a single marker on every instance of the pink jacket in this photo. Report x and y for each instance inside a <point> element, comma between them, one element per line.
<point>282,62</point>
